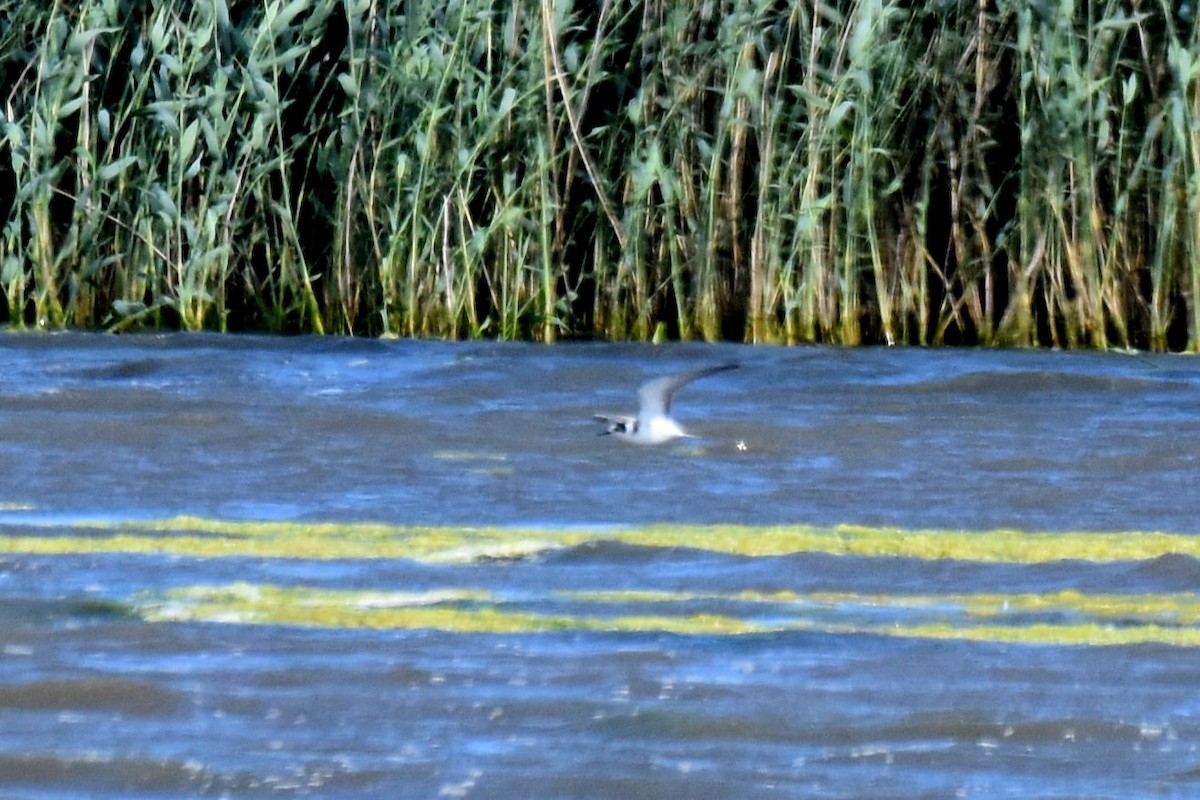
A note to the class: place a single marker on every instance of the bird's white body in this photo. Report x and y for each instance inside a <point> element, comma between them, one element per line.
<point>657,430</point>
<point>653,423</point>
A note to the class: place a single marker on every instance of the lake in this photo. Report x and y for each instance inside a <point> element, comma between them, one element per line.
<point>239,566</point>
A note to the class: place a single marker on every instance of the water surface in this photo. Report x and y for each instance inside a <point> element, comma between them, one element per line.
<point>342,568</point>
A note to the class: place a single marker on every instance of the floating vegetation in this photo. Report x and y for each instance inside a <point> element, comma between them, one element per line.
<point>208,538</point>
<point>1061,617</point>
<point>853,171</point>
<point>1078,619</point>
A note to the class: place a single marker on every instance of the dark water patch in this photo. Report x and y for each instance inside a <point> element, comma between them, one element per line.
<point>27,614</point>
<point>94,775</point>
<point>660,561</point>
<point>91,694</point>
<point>1041,385</point>
<point>693,724</point>
<point>1078,731</point>
<point>652,782</point>
<point>1171,572</point>
<point>101,609</point>
<point>1186,776</point>
<point>132,369</point>
<point>957,725</point>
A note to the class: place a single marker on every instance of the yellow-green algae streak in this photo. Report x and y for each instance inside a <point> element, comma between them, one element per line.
<point>1103,619</point>
<point>1060,618</point>
<point>208,538</point>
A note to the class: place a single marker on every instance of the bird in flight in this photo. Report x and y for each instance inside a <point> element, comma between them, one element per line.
<point>653,423</point>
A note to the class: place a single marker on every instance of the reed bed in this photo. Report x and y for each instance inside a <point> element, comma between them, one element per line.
<point>996,173</point>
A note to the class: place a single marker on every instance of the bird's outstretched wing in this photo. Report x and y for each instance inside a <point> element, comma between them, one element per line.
<point>654,397</point>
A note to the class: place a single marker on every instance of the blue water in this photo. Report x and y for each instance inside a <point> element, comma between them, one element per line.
<point>98,700</point>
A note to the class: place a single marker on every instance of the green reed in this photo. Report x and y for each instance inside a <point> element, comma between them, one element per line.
<point>847,171</point>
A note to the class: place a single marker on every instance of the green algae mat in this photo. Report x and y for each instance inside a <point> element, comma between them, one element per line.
<point>206,538</point>
<point>1056,616</point>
